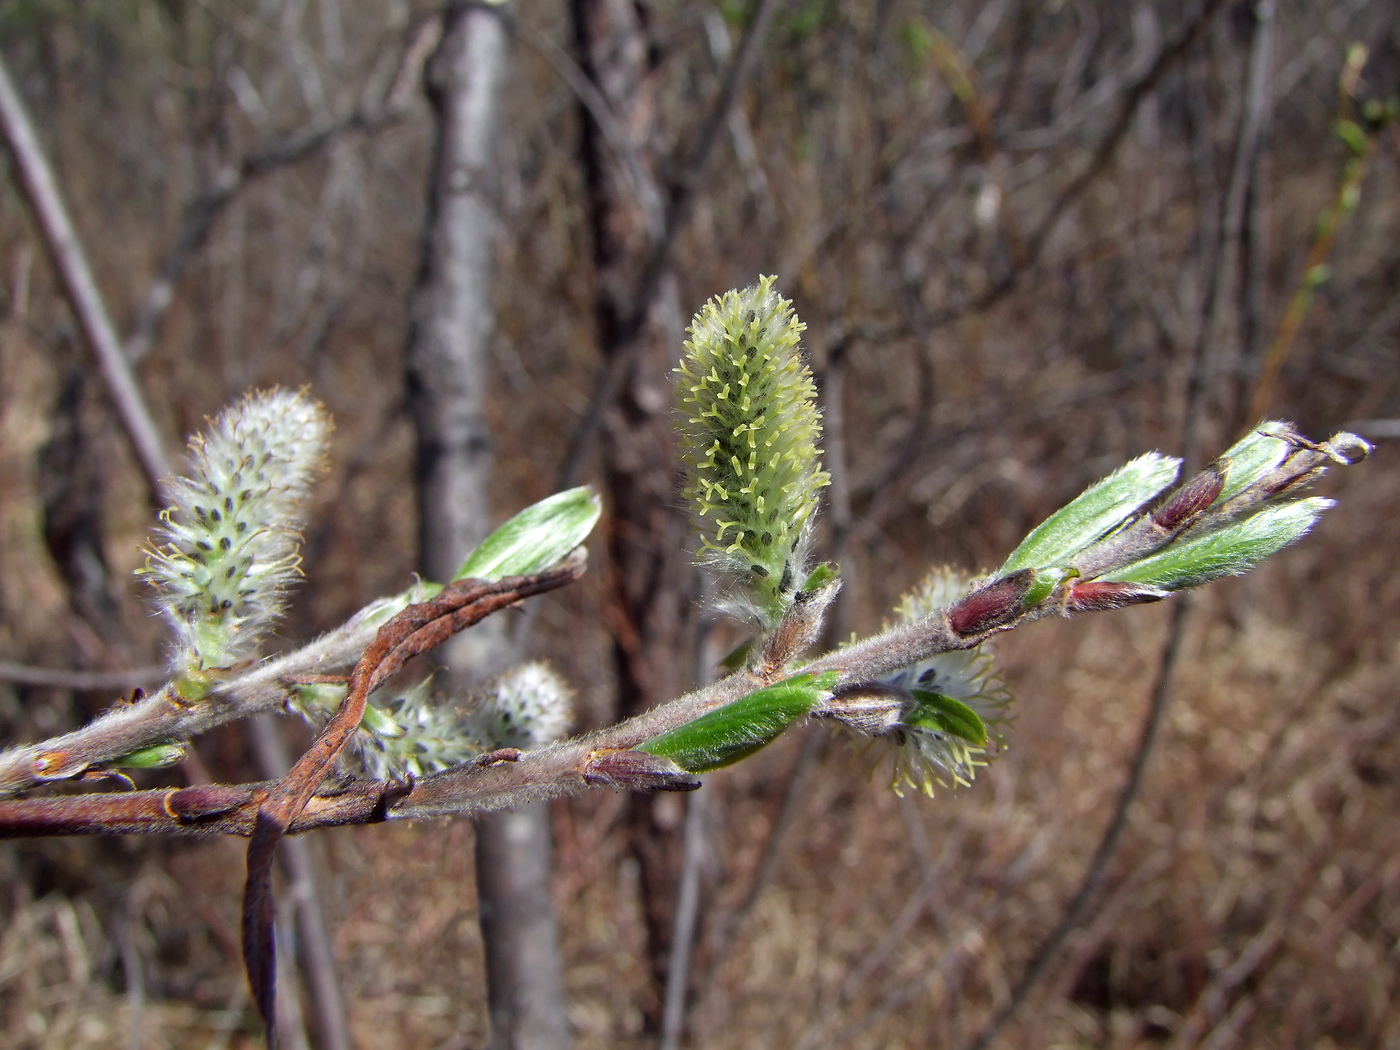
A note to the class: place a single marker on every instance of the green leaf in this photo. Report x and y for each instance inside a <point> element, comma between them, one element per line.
<point>820,576</point>
<point>1097,510</point>
<point>1353,135</point>
<point>1250,458</point>
<point>155,756</point>
<point>1230,551</point>
<point>1044,584</point>
<point>379,722</point>
<point>737,730</point>
<point>944,714</point>
<point>536,538</point>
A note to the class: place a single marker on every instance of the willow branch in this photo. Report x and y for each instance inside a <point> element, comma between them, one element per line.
<point>129,727</point>
<point>497,780</point>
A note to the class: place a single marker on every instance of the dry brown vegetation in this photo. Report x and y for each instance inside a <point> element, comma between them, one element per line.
<point>989,366</point>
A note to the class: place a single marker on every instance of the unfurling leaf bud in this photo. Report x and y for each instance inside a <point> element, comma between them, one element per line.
<point>636,771</point>
<point>737,730</point>
<point>1101,596</point>
<point>156,756</point>
<point>537,538</point>
<point>1253,457</point>
<point>1189,502</point>
<point>227,548</point>
<point>1228,551</point>
<point>1094,512</point>
<point>749,429</point>
<point>994,605</point>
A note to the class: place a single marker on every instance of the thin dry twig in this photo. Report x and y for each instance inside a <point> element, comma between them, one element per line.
<point>61,239</point>
<point>300,868</point>
<point>201,213</point>
<point>63,678</point>
<point>679,198</point>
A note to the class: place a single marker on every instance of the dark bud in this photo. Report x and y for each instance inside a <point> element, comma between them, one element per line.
<point>495,758</point>
<point>637,771</point>
<point>1102,595</point>
<point>1189,502</point>
<point>993,606</point>
<point>204,801</point>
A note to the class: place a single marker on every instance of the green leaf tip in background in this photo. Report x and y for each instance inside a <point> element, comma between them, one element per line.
<point>1235,549</point>
<point>749,431</point>
<point>536,538</point>
<point>944,714</point>
<point>1096,511</point>
<point>738,729</point>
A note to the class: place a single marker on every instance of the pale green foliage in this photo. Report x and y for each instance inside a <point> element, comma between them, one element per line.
<point>740,728</point>
<point>227,549</point>
<point>1098,509</point>
<point>1228,551</point>
<point>537,538</point>
<point>749,430</point>
<point>1250,458</point>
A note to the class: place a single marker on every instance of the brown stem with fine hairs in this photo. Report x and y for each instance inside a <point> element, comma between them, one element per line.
<point>416,630</point>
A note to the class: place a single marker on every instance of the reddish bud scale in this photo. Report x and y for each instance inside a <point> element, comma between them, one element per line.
<point>992,606</point>
<point>1190,501</point>
<point>1102,595</point>
<point>204,801</point>
<point>637,771</point>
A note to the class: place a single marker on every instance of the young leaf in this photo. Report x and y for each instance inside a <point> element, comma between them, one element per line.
<point>946,715</point>
<point>1235,549</point>
<point>737,730</point>
<point>1092,514</point>
<point>536,538</point>
<point>156,756</point>
<point>1252,457</point>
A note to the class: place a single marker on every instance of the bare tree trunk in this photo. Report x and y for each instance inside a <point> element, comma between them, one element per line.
<point>647,536</point>
<point>448,358</point>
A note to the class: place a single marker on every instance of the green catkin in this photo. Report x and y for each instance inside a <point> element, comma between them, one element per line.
<point>749,430</point>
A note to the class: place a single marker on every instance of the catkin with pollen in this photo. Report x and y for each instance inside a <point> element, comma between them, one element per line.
<point>749,429</point>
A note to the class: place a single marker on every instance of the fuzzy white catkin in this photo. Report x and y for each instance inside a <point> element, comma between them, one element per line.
<point>428,735</point>
<point>227,548</point>
<point>528,706</point>
<point>927,757</point>
<point>531,707</point>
